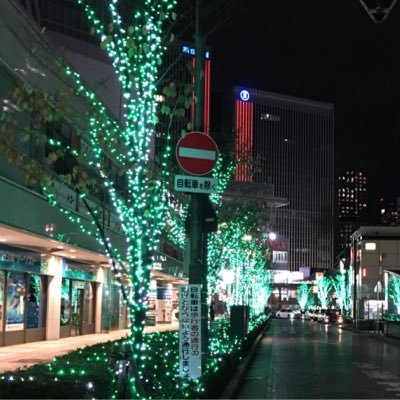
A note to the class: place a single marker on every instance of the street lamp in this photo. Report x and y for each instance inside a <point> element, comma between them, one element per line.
<point>272,236</point>
<point>227,276</point>
<point>246,238</point>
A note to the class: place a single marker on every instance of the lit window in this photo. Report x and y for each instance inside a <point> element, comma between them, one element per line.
<point>370,246</point>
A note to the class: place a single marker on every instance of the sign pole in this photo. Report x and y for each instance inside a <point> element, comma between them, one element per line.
<point>198,256</point>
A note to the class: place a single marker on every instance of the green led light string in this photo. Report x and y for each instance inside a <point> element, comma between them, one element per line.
<point>303,292</point>
<point>393,291</point>
<point>136,51</point>
<point>324,286</point>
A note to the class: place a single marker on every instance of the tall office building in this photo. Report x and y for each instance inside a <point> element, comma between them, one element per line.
<point>289,142</point>
<point>352,200</point>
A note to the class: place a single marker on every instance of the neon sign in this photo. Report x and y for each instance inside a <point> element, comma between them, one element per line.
<point>192,51</point>
<point>244,95</point>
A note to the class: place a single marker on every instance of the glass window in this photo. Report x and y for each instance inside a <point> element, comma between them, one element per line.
<point>88,311</point>
<point>77,302</point>
<point>65,302</point>
<point>36,301</point>
<point>83,302</point>
<point>2,276</point>
<point>15,308</point>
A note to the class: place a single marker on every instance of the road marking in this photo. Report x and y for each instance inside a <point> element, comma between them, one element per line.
<point>255,378</point>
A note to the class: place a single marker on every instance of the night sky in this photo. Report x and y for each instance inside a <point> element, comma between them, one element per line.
<point>330,51</point>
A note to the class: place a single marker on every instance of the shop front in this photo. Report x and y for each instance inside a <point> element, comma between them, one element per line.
<point>119,315</point>
<point>23,296</point>
<point>78,294</point>
<point>166,277</point>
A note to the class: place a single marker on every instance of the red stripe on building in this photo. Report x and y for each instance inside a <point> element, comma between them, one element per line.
<point>244,140</point>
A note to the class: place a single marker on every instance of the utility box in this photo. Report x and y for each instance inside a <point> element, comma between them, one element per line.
<point>239,321</point>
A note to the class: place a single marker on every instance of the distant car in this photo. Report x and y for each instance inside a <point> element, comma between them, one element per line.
<point>299,314</point>
<point>321,315</point>
<point>285,313</point>
<point>312,314</point>
<point>308,313</point>
<point>333,317</point>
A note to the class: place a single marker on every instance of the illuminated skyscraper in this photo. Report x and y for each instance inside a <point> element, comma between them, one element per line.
<point>352,197</point>
<point>288,142</point>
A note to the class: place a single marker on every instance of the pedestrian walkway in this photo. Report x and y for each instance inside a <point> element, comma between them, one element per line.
<point>28,354</point>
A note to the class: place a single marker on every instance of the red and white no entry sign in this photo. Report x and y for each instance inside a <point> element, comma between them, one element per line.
<point>197,153</point>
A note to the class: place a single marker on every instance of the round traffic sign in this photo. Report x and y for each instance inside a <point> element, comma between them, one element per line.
<point>197,153</point>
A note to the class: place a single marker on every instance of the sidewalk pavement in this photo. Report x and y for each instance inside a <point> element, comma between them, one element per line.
<point>28,354</point>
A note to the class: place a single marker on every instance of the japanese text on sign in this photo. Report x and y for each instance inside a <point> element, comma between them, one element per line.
<point>190,331</point>
<point>195,184</point>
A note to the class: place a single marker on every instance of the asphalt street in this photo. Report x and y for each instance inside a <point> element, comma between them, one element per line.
<point>309,360</point>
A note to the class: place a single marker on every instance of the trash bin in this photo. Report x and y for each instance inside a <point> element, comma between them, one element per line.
<point>239,319</point>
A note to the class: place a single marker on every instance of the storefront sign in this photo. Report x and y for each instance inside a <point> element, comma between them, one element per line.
<point>14,327</point>
<point>190,331</point>
<point>19,259</point>
<point>78,271</point>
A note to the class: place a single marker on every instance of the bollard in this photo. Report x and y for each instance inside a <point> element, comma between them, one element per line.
<point>124,370</point>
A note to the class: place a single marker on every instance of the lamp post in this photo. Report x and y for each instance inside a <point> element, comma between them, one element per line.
<point>247,238</point>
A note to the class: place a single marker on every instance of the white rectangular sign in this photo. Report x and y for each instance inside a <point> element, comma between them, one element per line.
<point>197,153</point>
<point>195,184</point>
<point>190,331</point>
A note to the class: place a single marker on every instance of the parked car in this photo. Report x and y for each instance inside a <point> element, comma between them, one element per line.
<point>333,317</point>
<point>309,314</point>
<point>285,313</point>
<point>321,315</point>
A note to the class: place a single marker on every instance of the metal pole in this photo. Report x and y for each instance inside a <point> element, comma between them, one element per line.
<point>355,283</point>
<point>198,256</point>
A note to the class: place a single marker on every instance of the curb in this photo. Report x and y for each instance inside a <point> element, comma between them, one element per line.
<point>233,386</point>
<point>384,338</point>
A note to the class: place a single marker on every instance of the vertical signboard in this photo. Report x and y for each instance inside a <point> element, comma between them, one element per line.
<point>190,331</point>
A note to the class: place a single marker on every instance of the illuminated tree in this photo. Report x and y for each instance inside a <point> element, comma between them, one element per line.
<point>110,148</point>
<point>324,286</point>
<point>302,295</point>
<point>341,286</point>
<point>394,290</point>
<point>227,248</point>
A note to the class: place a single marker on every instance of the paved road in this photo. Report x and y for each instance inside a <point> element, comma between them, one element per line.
<point>308,360</point>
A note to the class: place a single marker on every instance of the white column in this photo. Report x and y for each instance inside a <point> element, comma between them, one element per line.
<point>54,299</point>
<point>99,298</point>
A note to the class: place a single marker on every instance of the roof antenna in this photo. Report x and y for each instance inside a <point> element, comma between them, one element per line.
<point>376,10</point>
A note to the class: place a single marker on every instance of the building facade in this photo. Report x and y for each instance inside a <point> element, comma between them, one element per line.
<point>374,254</point>
<point>289,142</point>
<point>389,212</point>
<point>56,281</point>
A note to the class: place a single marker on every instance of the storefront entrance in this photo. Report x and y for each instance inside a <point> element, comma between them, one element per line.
<point>118,310</point>
<point>23,303</point>
<point>77,307</point>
